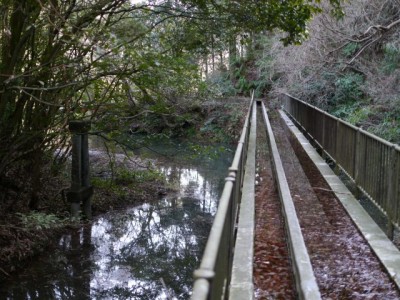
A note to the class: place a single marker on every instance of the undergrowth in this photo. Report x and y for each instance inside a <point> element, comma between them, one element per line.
<point>41,220</point>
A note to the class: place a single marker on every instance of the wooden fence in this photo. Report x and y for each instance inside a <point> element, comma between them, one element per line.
<point>373,163</point>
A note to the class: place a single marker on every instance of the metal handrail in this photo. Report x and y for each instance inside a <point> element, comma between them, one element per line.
<point>211,279</point>
<point>372,162</point>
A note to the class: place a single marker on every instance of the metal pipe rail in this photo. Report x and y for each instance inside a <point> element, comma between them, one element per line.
<point>241,283</point>
<point>372,162</point>
<point>212,279</point>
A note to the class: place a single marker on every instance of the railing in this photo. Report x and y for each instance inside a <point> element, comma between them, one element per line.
<point>213,276</point>
<point>373,163</point>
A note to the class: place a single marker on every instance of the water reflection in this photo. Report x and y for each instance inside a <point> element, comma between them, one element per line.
<point>146,252</point>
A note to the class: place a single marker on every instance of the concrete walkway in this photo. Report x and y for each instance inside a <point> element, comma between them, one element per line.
<point>386,252</point>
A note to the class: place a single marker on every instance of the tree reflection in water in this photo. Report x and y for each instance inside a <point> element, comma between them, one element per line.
<point>147,252</point>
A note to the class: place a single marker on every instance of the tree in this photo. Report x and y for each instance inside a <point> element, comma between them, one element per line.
<point>349,68</point>
<point>64,59</point>
<point>48,54</point>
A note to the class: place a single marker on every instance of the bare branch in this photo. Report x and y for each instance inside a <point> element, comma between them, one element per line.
<point>370,37</point>
<point>33,97</point>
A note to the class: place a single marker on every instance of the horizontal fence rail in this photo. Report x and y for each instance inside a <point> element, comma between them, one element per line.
<point>373,163</point>
<point>211,280</point>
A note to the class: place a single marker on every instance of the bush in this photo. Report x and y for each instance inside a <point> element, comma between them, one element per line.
<point>359,115</point>
<point>350,49</point>
<point>39,220</point>
<point>388,129</point>
<point>348,89</point>
<point>125,176</point>
<point>220,84</point>
<point>345,111</point>
<point>391,60</point>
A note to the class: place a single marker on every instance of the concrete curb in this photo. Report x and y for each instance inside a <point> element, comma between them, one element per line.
<point>306,283</point>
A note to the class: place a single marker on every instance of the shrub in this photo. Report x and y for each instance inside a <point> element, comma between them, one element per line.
<point>39,220</point>
<point>389,130</point>
<point>348,88</point>
<point>391,60</point>
<point>350,49</point>
<point>220,84</point>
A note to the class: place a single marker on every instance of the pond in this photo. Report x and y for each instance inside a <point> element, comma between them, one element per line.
<point>145,252</point>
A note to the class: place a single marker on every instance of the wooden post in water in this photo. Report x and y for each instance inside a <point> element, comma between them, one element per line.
<point>81,190</point>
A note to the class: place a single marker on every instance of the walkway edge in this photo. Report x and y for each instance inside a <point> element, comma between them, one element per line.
<point>242,269</point>
<point>386,252</point>
<point>306,283</point>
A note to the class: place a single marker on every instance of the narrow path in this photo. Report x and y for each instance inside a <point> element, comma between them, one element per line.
<point>272,269</point>
<point>306,246</point>
<point>343,263</point>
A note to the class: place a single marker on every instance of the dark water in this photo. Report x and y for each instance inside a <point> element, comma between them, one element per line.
<point>145,252</point>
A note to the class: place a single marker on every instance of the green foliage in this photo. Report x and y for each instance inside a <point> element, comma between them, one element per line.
<point>348,88</point>
<point>39,220</point>
<point>385,124</point>
<point>206,151</point>
<point>110,61</point>
<point>388,126</point>
<point>350,49</point>
<point>125,176</point>
<point>289,16</point>
<point>388,129</point>
<point>315,87</point>
<point>262,86</point>
<point>344,110</point>
<point>391,60</point>
<point>353,112</point>
<point>264,62</point>
<point>224,124</point>
<point>109,185</point>
<point>124,181</point>
<point>358,115</point>
<point>243,85</point>
<point>221,85</point>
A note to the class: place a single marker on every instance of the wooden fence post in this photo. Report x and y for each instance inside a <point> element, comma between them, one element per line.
<point>337,145</point>
<point>357,163</point>
<point>81,190</point>
<point>392,190</point>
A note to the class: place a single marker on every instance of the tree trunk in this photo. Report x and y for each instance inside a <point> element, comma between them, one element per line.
<point>206,65</point>
<point>36,182</point>
<point>232,56</point>
<point>212,53</point>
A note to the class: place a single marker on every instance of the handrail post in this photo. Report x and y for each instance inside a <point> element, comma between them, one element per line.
<point>234,200</point>
<point>392,188</point>
<point>357,163</point>
<point>323,134</point>
<point>236,190</point>
<point>336,155</point>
